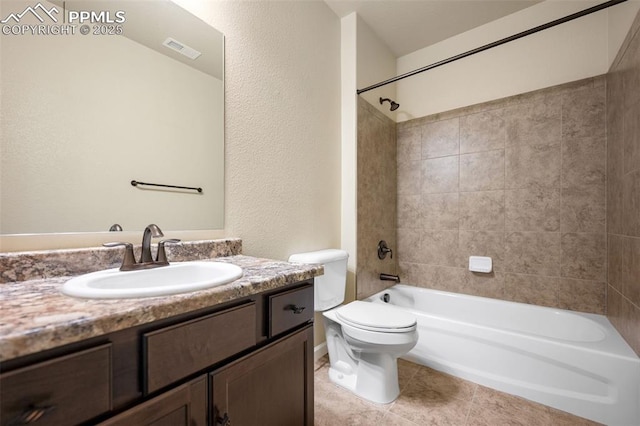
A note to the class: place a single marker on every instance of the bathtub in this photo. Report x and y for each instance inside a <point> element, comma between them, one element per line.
<point>571,361</point>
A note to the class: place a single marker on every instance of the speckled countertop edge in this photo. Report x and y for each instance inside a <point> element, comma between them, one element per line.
<point>36,316</point>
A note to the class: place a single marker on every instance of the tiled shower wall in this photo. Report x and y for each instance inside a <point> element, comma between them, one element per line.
<point>522,180</point>
<point>623,192</point>
<point>376,198</point>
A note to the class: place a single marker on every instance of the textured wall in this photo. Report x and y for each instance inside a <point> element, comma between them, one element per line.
<point>623,200</point>
<point>520,179</point>
<point>76,133</point>
<point>376,198</point>
<point>282,123</point>
<point>282,81</point>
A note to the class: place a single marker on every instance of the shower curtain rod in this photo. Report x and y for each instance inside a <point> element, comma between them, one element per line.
<point>534,30</point>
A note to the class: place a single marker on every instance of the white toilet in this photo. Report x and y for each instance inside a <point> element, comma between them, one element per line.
<point>364,339</point>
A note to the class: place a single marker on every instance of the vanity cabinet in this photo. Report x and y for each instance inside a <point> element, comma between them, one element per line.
<point>48,391</point>
<point>245,362</point>
<point>185,405</point>
<point>271,387</point>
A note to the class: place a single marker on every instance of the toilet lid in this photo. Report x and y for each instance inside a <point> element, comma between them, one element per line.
<point>377,317</point>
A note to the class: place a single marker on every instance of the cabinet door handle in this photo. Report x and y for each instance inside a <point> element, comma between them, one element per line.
<point>223,421</point>
<point>295,309</point>
<point>31,415</point>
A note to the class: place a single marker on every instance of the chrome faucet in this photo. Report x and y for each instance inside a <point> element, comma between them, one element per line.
<point>146,259</point>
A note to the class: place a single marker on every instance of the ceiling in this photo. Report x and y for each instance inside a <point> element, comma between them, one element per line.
<point>408,25</point>
<point>151,24</point>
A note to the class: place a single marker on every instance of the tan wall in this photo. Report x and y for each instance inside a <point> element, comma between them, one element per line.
<point>521,180</point>
<point>83,116</point>
<point>623,185</point>
<point>572,51</point>
<point>282,123</point>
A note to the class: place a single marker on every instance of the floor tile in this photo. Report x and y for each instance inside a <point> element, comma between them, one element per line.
<point>430,397</point>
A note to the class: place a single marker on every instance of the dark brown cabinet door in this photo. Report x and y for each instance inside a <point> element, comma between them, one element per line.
<point>185,405</point>
<point>270,387</point>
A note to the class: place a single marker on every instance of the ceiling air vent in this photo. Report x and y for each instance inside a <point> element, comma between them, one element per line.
<point>181,48</point>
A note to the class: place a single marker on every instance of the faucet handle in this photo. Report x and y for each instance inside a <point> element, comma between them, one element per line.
<point>129,260</point>
<point>383,249</point>
<point>161,257</point>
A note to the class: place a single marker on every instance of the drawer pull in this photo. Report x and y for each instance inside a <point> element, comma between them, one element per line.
<point>295,309</point>
<point>31,415</point>
<point>223,421</point>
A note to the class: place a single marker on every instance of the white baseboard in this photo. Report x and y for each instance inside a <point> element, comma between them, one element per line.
<point>319,351</point>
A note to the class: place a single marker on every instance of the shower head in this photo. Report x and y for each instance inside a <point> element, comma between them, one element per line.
<point>394,106</point>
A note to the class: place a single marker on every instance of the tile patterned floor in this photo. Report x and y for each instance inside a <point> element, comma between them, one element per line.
<point>429,397</point>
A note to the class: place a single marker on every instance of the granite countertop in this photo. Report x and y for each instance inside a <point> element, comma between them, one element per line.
<point>36,316</point>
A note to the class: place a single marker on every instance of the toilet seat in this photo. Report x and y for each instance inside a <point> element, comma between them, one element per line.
<point>376,317</point>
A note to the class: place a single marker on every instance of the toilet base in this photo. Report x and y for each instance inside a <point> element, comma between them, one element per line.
<point>375,380</point>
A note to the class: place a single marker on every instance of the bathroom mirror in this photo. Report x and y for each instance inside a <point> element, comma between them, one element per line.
<point>89,105</point>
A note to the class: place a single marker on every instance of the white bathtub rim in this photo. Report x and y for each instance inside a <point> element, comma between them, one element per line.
<point>616,403</point>
<point>612,343</point>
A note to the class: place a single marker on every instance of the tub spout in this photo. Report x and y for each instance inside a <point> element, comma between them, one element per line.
<point>390,277</point>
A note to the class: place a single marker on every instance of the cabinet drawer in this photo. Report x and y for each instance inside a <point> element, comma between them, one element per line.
<point>175,352</point>
<point>290,309</point>
<point>49,391</point>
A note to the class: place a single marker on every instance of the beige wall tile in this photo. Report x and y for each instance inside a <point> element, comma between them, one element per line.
<point>440,175</point>
<point>534,289</point>
<point>631,203</point>
<point>412,274</point>
<point>583,210</point>
<point>513,204</point>
<point>482,243</point>
<point>409,178</point>
<point>483,131</point>
<point>533,253</point>
<point>625,317</point>
<point>376,198</point>
<point>482,171</point>
<point>615,260</point>
<point>631,270</point>
<point>410,211</point>
<point>440,211</point>
<point>584,256</point>
<point>615,175</point>
<point>583,113</point>
<point>533,165</point>
<point>630,65</point>
<point>615,110</point>
<point>409,145</point>
<point>482,210</point>
<point>623,191</point>
<point>532,209</point>
<point>533,122</point>
<point>444,278</point>
<point>584,162</point>
<point>583,184</point>
<point>440,248</point>
<point>409,245</point>
<point>440,138</point>
<point>581,295</point>
<point>484,285</point>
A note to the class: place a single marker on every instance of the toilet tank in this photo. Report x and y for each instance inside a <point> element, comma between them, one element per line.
<point>329,288</point>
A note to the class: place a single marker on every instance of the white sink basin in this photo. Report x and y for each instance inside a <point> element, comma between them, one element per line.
<point>179,277</point>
